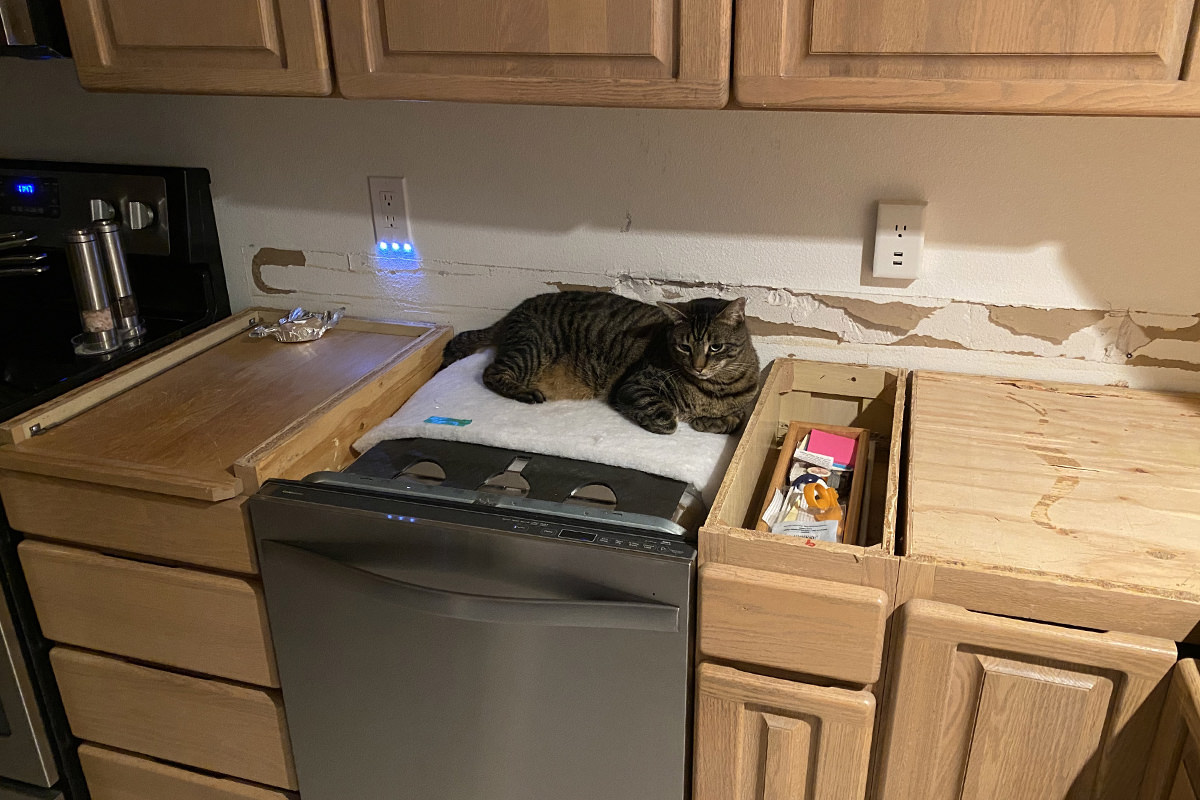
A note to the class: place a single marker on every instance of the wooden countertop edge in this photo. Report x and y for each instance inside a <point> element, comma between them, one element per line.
<point>120,474</point>
<point>93,393</point>
<point>245,467</point>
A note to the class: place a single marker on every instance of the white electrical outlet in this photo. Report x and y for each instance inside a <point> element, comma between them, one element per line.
<point>389,211</point>
<point>899,239</point>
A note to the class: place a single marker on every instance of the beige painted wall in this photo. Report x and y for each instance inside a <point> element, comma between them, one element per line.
<point>1027,216</point>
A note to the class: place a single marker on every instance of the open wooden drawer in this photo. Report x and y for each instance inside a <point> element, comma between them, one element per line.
<point>761,593</point>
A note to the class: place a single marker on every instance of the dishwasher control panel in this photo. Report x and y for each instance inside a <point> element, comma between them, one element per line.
<point>620,541</point>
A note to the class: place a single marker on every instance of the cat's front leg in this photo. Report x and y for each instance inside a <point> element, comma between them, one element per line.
<point>726,424</point>
<point>646,403</point>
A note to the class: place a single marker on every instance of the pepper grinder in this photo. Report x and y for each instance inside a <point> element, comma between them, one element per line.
<point>125,307</point>
<point>95,313</point>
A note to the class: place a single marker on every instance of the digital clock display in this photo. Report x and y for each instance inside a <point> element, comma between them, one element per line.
<point>29,196</point>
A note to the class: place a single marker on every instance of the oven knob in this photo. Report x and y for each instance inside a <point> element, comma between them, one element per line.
<point>139,215</point>
<point>102,210</point>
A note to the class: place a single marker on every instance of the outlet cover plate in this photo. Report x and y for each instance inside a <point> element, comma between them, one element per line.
<point>389,212</point>
<point>899,239</point>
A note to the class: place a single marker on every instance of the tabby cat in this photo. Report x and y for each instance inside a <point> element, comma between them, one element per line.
<point>657,365</point>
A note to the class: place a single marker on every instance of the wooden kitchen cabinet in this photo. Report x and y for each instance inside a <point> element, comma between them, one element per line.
<point>130,493</point>
<point>1173,772</point>
<point>115,775</point>
<point>577,52</point>
<point>1017,56</point>
<point>212,725</point>
<point>759,737</point>
<point>258,47</point>
<point>987,707</point>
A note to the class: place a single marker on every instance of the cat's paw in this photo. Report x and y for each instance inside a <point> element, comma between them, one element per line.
<point>662,421</point>
<point>727,424</point>
<point>531,396</point>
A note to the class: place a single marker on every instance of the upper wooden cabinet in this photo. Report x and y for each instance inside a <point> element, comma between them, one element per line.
<point>1030,56</point>
<point>577,52</point>
<point>200,46</point>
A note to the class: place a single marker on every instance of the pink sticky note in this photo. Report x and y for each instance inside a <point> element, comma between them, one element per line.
<point>839,448</point>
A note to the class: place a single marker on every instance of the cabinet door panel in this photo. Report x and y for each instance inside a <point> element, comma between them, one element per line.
<point>1173,772</point>
<point>593,52</point>
<point>990,708</point>
<point>1117,56</point>
<point>202,46</point>
<point>766,739</point>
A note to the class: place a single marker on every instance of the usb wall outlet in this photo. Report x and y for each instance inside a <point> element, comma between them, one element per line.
<point>899,239</point>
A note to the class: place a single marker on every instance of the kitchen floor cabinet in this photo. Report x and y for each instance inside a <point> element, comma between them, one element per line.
<point>580,52</point>
<point>1173,772</point>
<point>987,707</point>
<point>765,738</point>
<point>1078,56</point>
<point>200,46</point>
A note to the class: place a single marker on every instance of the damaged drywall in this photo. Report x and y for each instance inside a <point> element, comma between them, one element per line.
<point>892,327</point>
<point>1054,325</point>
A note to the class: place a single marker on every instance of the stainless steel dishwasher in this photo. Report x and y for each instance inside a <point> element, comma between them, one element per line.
<point>443,643</point>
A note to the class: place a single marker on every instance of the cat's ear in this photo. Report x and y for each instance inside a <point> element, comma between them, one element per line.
<point>734,313</point>
<point>676,315</point>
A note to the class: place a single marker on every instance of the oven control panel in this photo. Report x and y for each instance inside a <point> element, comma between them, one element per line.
<point>620,541</point>
<point>30,196</point>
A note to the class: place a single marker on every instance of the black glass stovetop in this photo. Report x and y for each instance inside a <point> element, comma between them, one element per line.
<point>37,359</point>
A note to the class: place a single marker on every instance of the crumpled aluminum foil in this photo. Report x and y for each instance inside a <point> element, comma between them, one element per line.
<point>300,326</point>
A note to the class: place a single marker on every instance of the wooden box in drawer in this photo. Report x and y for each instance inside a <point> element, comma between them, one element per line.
<point>790,603</point>
<point>207,724</point>
<point>177,617</point>
<point>828,394</point>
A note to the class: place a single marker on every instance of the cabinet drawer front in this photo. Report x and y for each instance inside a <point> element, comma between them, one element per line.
<point>211,624</point>
<point>777,740</point>
<point>142,523</point>
<point>787,622</point>
<point>211,725</point>
<point>1003,709</point>
<point>112,775</point>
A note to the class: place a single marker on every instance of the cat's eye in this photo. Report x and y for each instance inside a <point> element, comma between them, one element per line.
<point>683,348</point>
<point>716,348</point>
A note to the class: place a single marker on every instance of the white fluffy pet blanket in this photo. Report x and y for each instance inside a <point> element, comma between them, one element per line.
<point>588,430</point>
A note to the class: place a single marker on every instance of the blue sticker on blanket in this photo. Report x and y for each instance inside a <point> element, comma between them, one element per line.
<point>448,421</point>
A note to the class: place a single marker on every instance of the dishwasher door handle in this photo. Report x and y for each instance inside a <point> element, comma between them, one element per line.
<point>628,615</point>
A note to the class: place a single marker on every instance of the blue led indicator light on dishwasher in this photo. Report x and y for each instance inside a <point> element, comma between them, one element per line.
<point>383,245</point>
<point>408,247</point>
<point>25,188</point>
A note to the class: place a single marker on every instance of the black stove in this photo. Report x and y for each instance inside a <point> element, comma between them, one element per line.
<point>169,236</point>
<point>173,256</point>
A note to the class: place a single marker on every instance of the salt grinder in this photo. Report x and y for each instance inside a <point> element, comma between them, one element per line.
<point>95,313</point>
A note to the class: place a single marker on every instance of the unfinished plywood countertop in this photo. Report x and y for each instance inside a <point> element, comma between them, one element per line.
<point>214,415</point>
<point>1094,485</point>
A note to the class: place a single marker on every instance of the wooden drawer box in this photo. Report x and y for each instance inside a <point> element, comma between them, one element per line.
<point>787,622</point>
<point>208,724</point>
<point>113,775</point>
<point>827,394</point>
<point>181,618</point>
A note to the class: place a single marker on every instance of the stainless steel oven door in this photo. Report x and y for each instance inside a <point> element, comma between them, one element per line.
<point>454,661</point>
<point>25,753</point>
